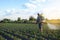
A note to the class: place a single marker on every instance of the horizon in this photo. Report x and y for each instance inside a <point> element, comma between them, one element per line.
<point>12,9</point>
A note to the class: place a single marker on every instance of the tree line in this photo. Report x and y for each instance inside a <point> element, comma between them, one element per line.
<point>19,20</point>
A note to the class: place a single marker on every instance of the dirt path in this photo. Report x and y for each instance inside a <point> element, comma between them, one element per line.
<point>51,26</point>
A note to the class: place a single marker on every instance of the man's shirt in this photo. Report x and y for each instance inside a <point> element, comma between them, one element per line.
<point>40,19</point>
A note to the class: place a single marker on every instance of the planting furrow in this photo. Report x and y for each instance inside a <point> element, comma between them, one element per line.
<point>5,36</point>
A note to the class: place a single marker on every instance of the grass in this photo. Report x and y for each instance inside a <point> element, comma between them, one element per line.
<point>28,31</point>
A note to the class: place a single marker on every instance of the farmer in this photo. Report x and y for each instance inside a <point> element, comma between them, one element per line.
<point>39,21</point>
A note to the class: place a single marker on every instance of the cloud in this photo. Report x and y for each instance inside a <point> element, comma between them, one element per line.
<point>23,13</point>
<point>30,6</point>
<point>52,13</point>
<point>50,9</point>
<point>14,14</point>
<point>37,1</point>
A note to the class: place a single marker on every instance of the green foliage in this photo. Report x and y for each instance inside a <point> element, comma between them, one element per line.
<point>1,38</point>
<point>5,20</point>
<point>32,18</point>
<point>24,21</point>
<point>28,31</point>
<point>18,19</point>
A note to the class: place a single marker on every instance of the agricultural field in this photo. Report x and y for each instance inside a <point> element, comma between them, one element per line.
<point>55,22</point>
<point>19,31</point>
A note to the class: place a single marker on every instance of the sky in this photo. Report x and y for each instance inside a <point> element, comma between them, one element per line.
<point>12,9</point>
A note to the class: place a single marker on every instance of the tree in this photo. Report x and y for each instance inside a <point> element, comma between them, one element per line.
<point>31,18</point>
<point>6,20</point>
<point>24,20</point>
<point>18,19</point>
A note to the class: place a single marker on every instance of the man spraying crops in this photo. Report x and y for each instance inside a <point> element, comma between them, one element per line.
<point>39,21</point>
